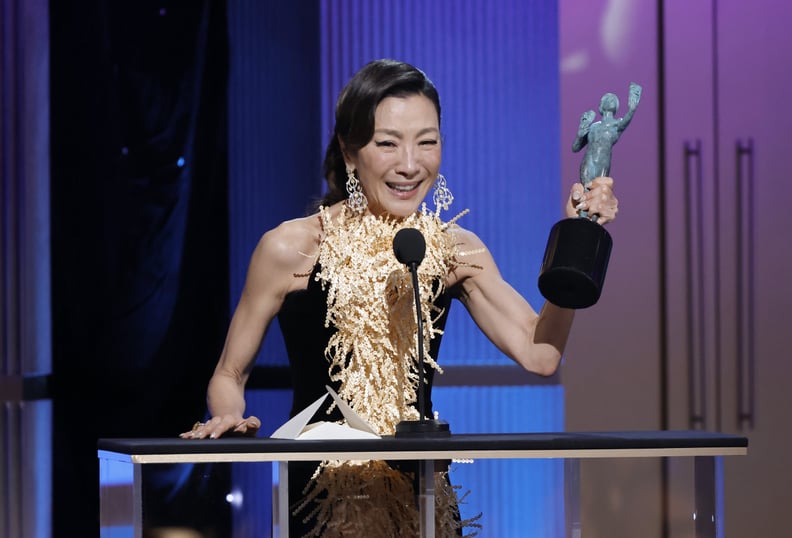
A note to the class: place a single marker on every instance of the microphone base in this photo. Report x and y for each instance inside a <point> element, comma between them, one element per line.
<point>423,428</point>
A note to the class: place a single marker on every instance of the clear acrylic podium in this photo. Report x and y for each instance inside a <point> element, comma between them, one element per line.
<point>125,458</point>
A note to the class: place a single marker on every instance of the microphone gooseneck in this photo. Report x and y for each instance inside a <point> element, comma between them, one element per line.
<point>409,246</point>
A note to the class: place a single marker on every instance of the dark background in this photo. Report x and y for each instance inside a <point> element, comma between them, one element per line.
<point>139,233</point>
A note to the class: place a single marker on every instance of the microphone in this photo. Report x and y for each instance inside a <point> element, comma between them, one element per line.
<point>409,246</point>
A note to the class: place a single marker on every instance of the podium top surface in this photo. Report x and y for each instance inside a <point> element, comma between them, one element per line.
<point>664,443</point>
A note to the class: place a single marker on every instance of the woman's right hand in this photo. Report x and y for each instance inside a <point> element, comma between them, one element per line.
<point>227,425</point>
<point>598,200</point>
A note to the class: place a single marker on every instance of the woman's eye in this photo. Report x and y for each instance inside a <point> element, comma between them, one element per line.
<point>385,144</point>
<point>430,142</point>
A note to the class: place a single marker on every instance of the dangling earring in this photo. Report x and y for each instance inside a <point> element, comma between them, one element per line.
<point>442,196</point>
<point>357,200</point>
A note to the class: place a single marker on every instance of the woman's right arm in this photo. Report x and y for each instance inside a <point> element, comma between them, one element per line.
<point>270,277</point>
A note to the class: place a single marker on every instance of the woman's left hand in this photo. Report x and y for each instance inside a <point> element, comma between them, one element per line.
<point>599,200</point>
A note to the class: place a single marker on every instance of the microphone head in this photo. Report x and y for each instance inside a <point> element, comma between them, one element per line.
<point>409,246</point>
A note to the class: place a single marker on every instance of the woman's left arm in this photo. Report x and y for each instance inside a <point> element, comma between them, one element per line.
<point>534,340</point>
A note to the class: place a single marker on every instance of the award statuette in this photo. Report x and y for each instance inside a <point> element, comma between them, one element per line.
<point>578,249</point>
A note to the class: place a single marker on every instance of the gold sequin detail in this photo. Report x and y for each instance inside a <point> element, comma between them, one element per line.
<point>374,353</point>
<point>374,356</point>
<point>370,498</point>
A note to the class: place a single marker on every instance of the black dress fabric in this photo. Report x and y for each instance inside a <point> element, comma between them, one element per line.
<point>302,323</point>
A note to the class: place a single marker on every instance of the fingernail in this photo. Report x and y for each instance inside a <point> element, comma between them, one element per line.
<point>581,205</point>
<point>576,196</point>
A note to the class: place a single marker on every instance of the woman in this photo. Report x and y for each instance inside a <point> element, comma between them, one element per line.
<point>345,304</point>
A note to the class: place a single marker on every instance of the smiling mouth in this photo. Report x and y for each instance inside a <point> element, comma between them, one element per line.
<point>403,187</point>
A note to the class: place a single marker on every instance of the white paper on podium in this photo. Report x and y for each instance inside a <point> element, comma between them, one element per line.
<point>298,427</point>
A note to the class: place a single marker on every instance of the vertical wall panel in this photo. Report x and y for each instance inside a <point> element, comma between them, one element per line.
<point>24,189</point>
<point>25,324</point>
<point>603,47</point>
<point>274,139</point>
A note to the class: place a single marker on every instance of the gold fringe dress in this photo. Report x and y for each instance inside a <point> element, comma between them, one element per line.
<point>354,328</point>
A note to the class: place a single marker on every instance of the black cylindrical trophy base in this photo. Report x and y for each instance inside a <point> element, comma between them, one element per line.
<point>575,262</point>
<point>423,428</point>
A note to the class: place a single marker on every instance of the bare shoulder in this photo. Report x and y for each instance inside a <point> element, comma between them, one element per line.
<point>473,252</point>
<point>466,239</point>
<point>289,249</point>
<point>291,236</point>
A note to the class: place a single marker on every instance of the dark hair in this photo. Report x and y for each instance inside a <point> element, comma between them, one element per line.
<point>354,113</point>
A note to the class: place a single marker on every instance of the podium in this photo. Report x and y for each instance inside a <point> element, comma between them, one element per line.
<point>127,457</point>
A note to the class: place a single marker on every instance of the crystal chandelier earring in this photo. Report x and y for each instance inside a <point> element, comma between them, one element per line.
<point>357,200</point>
<point>442,196</point>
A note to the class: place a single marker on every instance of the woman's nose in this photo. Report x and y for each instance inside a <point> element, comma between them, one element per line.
<point>408,165</point>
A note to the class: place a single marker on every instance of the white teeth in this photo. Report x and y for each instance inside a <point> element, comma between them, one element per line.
<point>402,187</point>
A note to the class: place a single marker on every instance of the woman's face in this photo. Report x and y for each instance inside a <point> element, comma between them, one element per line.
<point>399,165</point>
